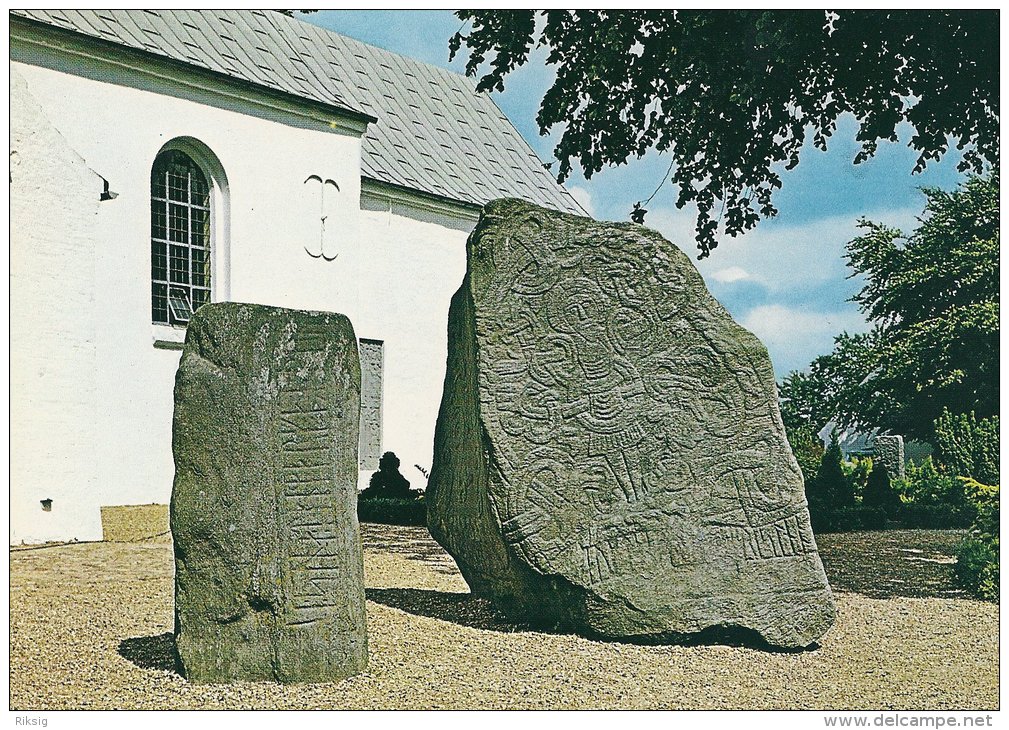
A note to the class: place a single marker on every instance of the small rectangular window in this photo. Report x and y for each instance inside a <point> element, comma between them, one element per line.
<point>178,303</point>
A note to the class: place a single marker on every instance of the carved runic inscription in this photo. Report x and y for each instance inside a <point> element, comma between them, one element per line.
<point>609,453</point>
<point>306,475</point>
<point>315,565</point>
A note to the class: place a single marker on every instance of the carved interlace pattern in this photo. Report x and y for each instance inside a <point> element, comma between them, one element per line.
<point>632,432</point>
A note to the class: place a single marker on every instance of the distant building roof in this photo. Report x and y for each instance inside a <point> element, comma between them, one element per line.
<point>852,442</point>
<point>434,133</point>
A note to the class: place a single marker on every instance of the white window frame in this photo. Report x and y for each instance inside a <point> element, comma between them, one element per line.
<point>220,250</point>
<point>179,297</point>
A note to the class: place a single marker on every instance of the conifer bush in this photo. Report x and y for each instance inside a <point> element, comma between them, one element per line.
<point>388,500</point>
<point>969,446</point>
<point>879,493</point>
<point>977,565</point>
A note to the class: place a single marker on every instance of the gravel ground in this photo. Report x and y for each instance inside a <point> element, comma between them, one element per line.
<point>91,623</point>
<point>890,563</point>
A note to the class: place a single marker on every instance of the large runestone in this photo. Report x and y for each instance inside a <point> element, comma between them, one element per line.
<point>269,578</point>
<point>609,454</point>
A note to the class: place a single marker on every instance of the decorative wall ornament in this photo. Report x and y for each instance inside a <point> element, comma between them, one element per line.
<point>322,196</point>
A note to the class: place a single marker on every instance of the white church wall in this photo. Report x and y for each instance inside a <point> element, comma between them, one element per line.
<point>392,271</point>
<point>413,259</point>
<point>54,210</point>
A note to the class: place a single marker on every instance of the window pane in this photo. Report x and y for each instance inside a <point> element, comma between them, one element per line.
<point>158,183</point>
<point>179,264</point>
<point>178,185</point>
<point>200,297</point>
<point>199,272</point>
<point>158,219</point>
<point>179,306</point>
<point>159,303</point>
<point>178,223</point>
<point>159,261</point>
<point>200,191</point>
<point>201,227</point>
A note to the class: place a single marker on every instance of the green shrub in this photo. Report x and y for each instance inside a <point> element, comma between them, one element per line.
<point>830,484</point>
<point>859,518</point>
<point>932,517</point>
<point>879,493</point>
<point>985,500</point>
<point>977,565</point>
<point>392,511</point>
<point>856,472</point>
<point>851,519</point>
<point>387,482</point>
<point>925,484</point>
<point>831,493</point>
<point>808,451</point>
<point>873,518</point>
<point>932,499</point>
<point>820,517</point>
<point>968,446</point>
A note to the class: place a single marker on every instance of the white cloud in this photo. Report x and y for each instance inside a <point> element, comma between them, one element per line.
<point>792,262</point>
<point>676,225</point>
<point>584,199</point>
<point>794,336</point>
<point>779,256</point>
<point>731,274</point>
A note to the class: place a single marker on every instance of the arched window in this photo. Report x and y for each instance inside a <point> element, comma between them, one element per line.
<point>180,238</point>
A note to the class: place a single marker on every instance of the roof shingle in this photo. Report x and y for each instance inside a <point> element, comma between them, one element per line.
<point>434,133</point>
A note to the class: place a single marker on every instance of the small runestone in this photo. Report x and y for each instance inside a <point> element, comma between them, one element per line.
<point>269,579</point>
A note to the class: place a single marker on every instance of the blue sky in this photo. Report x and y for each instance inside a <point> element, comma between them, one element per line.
<point>786,281</point>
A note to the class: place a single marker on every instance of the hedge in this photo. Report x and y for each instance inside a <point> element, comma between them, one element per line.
<point>386,511</point>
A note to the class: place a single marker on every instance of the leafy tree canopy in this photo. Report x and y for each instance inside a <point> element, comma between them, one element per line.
<point>732,94</point>
<point>802,407</point>
<point>932,299</point>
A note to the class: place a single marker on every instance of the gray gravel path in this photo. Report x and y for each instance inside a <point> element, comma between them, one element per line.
<point>90,628</point>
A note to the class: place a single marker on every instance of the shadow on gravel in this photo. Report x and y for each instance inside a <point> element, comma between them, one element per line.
<point>892,563</point>
<point>413,543</point>
<point>464,609</point>
<point>478,613</point>
<point>150,652</point>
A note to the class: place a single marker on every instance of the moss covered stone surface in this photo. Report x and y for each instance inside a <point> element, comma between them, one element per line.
<point>609,455</point>
<point>268,566</point>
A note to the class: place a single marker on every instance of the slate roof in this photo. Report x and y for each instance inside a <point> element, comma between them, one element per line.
<point>433,132</point>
